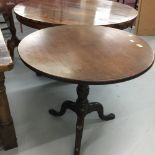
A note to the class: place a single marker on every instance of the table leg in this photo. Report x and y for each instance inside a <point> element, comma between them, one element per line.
<point>14,41</point>
<point>7,131</point>
<point>79,132</point>
<point>81,107</point>
<point>136,4</point>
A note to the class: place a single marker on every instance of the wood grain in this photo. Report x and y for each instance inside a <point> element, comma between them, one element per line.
<point>41,14</point>
<point>91,55</point>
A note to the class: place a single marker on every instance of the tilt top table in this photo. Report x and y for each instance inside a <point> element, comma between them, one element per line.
<point>40,14</point>
<point>85,56</point>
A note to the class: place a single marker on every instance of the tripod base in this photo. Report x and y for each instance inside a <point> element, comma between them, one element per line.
<point>82,107</point>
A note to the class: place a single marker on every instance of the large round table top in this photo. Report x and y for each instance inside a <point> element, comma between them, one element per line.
<point>83,54</point>
<point>41,14</point>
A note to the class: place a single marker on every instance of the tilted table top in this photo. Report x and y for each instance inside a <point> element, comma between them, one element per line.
<point>41,14</point>
<point>91,55</point>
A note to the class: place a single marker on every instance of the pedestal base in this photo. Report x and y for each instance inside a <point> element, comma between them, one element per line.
<point>82,107</point>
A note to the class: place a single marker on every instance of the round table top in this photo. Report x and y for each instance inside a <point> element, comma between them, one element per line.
<point>83,54</point>
<point>41,14</point>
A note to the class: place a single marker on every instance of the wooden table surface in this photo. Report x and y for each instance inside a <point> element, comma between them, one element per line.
<point>41,14</point>
<point>92,55</point>
<point>5,59</point>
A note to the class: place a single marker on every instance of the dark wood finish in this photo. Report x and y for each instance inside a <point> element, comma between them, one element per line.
<point>122,1</point>
<point>85,55</point>
<point>95,57</point>
<point>135,3</point>
<point>81,107</point>
<point>6,7</point>
<point>1,13</point>
<point>7,131</point>
<point>40,14</point>
<point>14,41</point>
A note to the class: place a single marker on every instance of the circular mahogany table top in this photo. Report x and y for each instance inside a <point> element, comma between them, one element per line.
<point>83,54</point>
<point>44,13</point>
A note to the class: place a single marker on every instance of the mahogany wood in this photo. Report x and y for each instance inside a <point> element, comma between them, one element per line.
<point>7,131</point>
<point>92,55</point>
<point>44,13</point>
<point>85,55</point>
<point>82,107</point>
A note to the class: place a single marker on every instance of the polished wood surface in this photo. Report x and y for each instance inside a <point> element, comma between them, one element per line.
<point>91,55</point>
<point>85,55</point>
<point>41,14</point>
<point>7,132</point>
<point>5,59</point>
